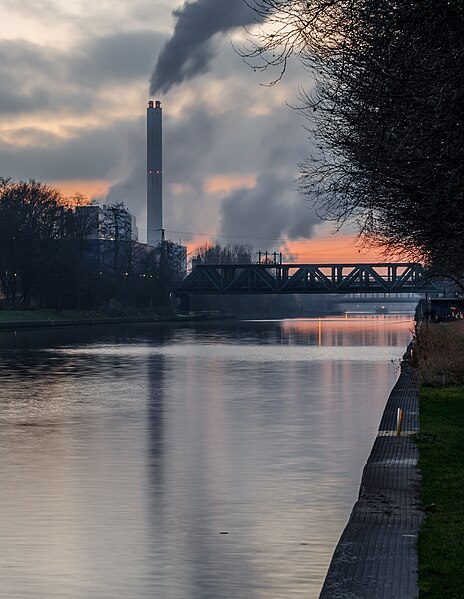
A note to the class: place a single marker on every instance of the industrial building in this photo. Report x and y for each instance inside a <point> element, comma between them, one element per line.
<point>107,222</point>
<point>154,173</point>
<point>177,254</point>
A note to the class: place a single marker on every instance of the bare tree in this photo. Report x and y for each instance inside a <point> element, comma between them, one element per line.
<point>386,114</point>
<point>116,230</point>
<point>237,253</point>
<point>30,227</point>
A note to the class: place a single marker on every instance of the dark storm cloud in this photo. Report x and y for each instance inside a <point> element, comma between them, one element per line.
<point>23,67</point>
<point>88,155</point>
<point>37,78</point>
<point>123,56</point>
<point>190,49</point>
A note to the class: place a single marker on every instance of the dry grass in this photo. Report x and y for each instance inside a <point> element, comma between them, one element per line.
<point>439,354</point>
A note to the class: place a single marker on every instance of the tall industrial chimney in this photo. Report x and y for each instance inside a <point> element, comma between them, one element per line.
<point>154,173</point>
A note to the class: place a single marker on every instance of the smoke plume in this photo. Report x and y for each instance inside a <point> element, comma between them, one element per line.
<point>268,213</point>
<point>190,49</point>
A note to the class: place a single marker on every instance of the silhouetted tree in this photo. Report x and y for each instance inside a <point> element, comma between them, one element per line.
<point>54,255</point>
<point>386,112</point>
<point>159,267</point>
<point>237,253</point>
<point>116,229</point>
<point>31,220</point>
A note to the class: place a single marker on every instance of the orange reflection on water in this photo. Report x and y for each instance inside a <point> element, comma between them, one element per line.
<point>344,331</point>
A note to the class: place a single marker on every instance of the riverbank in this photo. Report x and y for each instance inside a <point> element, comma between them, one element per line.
<point>33,319</point>
<point>377,552</point>
<point>405,535</point>
<point>439,363</point>
<point>441,446</point>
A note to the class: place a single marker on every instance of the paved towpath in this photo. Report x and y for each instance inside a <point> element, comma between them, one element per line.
<point>376,557</point>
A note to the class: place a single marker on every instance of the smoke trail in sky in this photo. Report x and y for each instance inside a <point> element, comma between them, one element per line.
<point>190,49</point>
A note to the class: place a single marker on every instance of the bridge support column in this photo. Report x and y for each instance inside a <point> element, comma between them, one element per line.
<point>185,302</point>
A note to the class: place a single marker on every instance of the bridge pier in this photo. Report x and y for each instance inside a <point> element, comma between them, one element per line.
<point>185,302</point>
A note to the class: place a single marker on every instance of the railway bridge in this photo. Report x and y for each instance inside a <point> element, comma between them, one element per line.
<point>281,278</point>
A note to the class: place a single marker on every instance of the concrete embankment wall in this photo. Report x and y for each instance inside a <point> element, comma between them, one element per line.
<point>376,556</point>
<point>40,324</point>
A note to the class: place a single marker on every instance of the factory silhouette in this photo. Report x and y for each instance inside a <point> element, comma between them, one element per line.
<point>74,255</point>
<point>109,224</point>
<point>154,173</point>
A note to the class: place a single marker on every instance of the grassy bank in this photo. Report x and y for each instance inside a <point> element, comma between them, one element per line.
<point>441,446</point>
<point>439,361</point>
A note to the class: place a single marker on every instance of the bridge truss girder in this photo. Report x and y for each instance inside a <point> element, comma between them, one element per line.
<point>306,278</point>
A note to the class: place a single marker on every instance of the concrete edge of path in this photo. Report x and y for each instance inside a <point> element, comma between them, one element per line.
<point>47,324</point>
<point>376,556</point>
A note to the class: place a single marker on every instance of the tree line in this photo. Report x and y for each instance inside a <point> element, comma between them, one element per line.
<point>50,256</point>
<point>386,114</point>
<point>55,254</point>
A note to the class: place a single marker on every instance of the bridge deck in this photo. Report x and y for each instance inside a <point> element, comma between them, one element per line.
<point>306,278</point>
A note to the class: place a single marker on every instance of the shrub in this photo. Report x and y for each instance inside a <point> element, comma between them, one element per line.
<point>439,353</point>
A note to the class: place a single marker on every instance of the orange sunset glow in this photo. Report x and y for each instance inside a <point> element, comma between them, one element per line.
<point>335,248</point>
<point>225,183</point>
<point>90,189</point>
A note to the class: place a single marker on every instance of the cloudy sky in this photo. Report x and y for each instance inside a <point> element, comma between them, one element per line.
<point>75,80</point>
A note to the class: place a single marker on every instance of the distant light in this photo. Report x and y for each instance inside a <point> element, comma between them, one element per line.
<point>150,172</point>
<point>157,172</point>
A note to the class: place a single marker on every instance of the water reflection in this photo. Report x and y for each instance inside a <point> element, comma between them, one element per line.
<point>126,452</point>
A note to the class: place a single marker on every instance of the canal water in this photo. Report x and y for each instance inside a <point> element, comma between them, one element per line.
<point>202,461</point>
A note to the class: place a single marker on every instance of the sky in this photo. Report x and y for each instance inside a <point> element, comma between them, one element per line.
<point>76,78</point>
